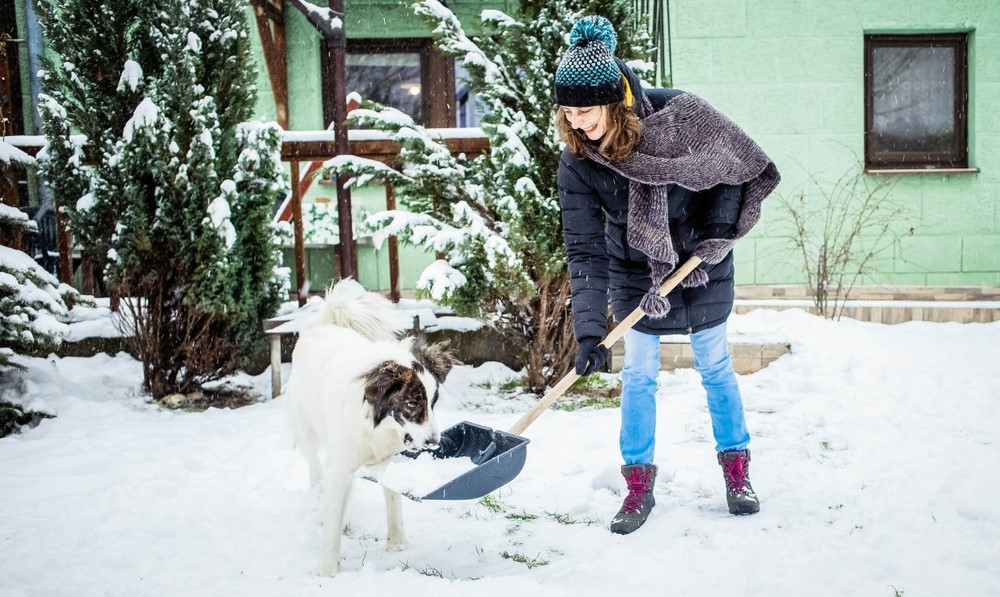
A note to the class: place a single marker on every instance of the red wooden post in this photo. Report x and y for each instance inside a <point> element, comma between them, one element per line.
<point>335,84</point>
<point>394,291</point>
<point>300,261</point>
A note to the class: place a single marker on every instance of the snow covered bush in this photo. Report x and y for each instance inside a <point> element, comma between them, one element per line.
<point>495,218</point>
<point>320,223</point>
<point>32,308</point>
<point>31,299</point>
<point>177,206</point>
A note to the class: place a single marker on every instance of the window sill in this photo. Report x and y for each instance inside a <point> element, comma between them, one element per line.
<point>937,171</point>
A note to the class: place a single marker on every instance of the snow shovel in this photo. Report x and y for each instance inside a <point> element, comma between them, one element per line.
<point>499,456</point>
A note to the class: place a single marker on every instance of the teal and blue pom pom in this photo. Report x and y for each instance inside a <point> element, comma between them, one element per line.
<point>594,28</point>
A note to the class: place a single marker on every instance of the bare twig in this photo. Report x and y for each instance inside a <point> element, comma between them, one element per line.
<point>838,230</point>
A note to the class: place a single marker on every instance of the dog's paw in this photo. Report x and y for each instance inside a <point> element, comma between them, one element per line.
<point>328,568</point>
<point>396,544</point>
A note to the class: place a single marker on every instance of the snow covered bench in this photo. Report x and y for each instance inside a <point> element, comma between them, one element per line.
<point>418,315</point>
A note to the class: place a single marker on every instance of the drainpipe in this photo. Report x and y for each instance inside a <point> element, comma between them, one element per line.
<point>33,35</point>
<point>670,50</point>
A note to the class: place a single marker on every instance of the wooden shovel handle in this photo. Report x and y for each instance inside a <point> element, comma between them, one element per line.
<point>613,336</point>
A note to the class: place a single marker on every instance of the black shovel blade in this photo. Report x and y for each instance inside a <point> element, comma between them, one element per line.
<point>499,457</point>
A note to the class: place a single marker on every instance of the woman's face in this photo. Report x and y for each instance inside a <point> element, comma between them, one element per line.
<point>591,120</point>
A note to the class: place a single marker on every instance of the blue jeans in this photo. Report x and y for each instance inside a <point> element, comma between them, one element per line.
<point>639,375</point>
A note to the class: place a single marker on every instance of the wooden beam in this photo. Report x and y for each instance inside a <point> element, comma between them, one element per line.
<point>64,244</point>
<point>383,150</point>
<point>336,43</point>
<point>300,253</point>
<point>394,289</point>
<point>274,11</point>
<point>271,27</point>
<point>439,85</point>
<point>320,147</point>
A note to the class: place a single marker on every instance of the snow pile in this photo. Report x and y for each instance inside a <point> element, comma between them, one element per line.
<point>871,448</point>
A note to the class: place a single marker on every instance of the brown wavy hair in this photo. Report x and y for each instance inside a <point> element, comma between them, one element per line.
<point>618,141</point>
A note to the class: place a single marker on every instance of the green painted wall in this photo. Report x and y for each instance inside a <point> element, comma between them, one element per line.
<point>791,73</point>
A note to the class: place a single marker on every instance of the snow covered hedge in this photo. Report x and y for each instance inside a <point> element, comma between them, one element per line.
<point>31,304</point>
<point>175,210</point>
<point>31,299</point>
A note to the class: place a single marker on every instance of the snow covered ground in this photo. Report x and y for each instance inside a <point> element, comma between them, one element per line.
<point>874,453</point>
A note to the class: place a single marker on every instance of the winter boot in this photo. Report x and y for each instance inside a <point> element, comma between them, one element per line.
<point>639,478</point>
<point>739,492</point>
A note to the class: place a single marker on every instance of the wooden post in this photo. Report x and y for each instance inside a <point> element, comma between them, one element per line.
<point>271,27</point>
<point>275,364</point>
<point>394,292</point>
<point>335,84</point>
<point>64,242</point>
<point>300,252</point>
<point>86,275</point>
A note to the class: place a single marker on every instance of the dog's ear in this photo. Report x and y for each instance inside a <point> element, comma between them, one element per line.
<point>436,358</point>
<point>381,384</point>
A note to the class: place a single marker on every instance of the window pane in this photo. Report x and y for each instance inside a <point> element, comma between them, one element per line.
<point>391,79</point>
<point>469,110</point>
<point>913,95</point>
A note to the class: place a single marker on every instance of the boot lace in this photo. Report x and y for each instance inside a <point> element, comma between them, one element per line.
<point>638,486</point>
<point>735,469</point>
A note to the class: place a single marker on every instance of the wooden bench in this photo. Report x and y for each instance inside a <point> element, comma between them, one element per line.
<point>274,329</point>
<point>422,319</point>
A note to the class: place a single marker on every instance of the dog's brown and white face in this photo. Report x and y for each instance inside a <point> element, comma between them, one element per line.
<point>407,393</point>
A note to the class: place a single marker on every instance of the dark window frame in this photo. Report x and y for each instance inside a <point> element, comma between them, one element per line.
<point>437,75</point>
<point>958,155</point>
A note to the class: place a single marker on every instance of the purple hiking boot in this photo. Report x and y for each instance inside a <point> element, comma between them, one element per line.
<point>739,493</point>
<point>639,478</point>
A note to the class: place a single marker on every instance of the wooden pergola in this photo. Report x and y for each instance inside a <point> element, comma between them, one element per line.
<point>316,152</point>
<point>270,16</point>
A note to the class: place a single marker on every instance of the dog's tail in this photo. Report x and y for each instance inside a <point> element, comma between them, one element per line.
<point>349,305</point>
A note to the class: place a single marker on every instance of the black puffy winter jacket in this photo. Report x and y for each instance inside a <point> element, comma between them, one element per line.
<point>594,202</point>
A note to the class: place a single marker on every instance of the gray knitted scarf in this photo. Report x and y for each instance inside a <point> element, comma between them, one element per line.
<point>691,144</point>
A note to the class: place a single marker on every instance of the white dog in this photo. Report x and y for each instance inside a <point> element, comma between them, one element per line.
<point>358,395</point>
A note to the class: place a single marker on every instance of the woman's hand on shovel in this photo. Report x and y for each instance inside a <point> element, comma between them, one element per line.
<point>591,356</point>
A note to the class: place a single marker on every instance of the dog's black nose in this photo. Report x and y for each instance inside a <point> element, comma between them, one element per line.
<point>432,442</point>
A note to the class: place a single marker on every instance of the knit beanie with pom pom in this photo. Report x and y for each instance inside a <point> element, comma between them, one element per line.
<point>588,74</point>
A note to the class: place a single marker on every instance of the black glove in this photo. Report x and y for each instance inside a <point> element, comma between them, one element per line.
<point>591,356</point>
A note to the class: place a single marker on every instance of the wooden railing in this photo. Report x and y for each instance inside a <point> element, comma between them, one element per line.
<point>318,146</point>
